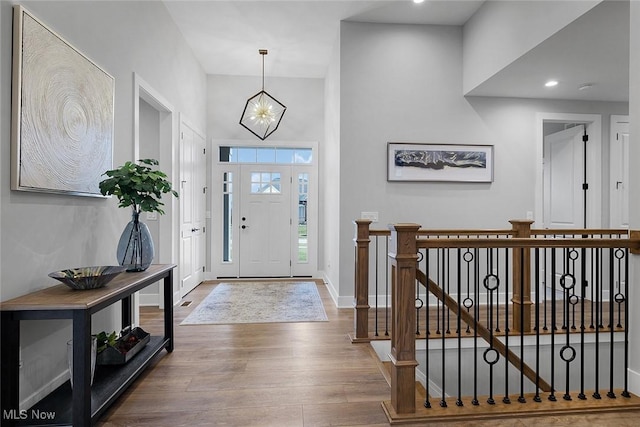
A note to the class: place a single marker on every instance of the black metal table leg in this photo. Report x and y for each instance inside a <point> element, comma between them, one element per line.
<point>81,407</point>
<point>9,355</point>
<point>168,310</point>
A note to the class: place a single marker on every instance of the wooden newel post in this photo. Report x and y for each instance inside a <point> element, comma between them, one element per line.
<point>521,278</point>
<point>404,260</point>
<point>361,282</point>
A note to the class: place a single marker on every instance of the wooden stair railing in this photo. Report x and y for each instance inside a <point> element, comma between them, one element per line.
<point>403,255</point>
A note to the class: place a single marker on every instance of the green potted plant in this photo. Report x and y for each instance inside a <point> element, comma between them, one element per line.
<point>140,186</point>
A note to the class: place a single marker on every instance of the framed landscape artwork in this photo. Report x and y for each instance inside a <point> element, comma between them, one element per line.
<point>439,162</point>
<point>62,113</point>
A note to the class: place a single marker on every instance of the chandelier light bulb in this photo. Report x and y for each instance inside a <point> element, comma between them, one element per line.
<point>262,112</point>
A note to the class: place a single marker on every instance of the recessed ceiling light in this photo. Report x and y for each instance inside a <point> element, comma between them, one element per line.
<point>551,83</point>
<point>418,1</point>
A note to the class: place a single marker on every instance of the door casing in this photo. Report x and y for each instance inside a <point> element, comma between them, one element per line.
<point>221,269</point>
<point>192,206</point>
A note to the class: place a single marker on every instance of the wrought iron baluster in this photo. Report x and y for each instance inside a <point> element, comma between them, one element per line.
<point>564,294</point>
<point>459,329</point>
<point>611,393</point>
<point>443,400</point>
<point>619,297</point>
<point>537,398</point>
<point>468,302</point>
<point>594,267</point>
<point>496,268</point>
<point>386,290</point>
<point>439,275</point>
<point>447,314</point>
<point>567,352</point>
<point>427,403</point>
<point>476,310</point>
<point>625,392</point>
<point>546,272</point>
<point>506,398</point>
<point>583,275</point>
<point>491,355</point>
<point>552,396</point>
<point>377,256</point>
<point>419,303</point>
<point>521,398</point>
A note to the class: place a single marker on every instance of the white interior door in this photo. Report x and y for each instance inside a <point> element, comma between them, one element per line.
<point>265,221</point>
<point>564,195</point>
<point>563,201</point>
<point>192,208</point>
<point>619,178</point>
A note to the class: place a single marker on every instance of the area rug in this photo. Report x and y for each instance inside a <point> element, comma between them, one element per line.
<point>259,302</point>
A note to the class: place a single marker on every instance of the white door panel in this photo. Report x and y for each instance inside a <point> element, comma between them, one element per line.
<point>564,195</point>
<point>563,178</point>
<point>192,207</point>
<point>265,220</point>
<point>619,177</point>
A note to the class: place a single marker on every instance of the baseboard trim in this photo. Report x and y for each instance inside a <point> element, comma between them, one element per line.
<point>330,287</point>
<point>634,381</point>
<point>149,300</point>
<point>44,391</point>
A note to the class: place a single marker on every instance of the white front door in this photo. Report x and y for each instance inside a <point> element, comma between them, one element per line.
<point>192,208</point>
<point>563,201</point>
<point>265,221</point>
<point>619,179</point>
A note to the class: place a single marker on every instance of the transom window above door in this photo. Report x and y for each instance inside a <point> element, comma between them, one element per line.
<point>278,155</point>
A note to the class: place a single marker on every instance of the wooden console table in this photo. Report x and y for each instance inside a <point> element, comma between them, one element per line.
<point>85,403</point>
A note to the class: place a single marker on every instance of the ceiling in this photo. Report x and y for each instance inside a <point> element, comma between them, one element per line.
<point>300,36</point>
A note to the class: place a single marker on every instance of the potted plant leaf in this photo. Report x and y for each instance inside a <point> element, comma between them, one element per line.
<point>140,186</point>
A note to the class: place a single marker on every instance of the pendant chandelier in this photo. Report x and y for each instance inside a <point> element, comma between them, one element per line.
<point>262,113</point>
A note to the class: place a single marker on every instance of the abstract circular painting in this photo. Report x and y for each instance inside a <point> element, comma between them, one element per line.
<point>63,113</point>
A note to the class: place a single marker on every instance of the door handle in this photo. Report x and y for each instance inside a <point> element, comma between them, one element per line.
<point>618,184</point>
<point>193,230</point>
<point>245,226</point>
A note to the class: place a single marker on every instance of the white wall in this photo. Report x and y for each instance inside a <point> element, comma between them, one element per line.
<point>404,84</point>
<point>44,232</point>
<point>502,31</point>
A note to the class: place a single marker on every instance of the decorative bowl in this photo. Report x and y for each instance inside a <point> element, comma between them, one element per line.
<point>87,277</point>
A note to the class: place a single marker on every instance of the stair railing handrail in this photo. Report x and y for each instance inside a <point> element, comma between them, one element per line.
<point>462,238</point>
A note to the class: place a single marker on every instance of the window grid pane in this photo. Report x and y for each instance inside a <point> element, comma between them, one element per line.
<point>271,155</point>
<point>303,239</point>
<point>227,226</point>
<point>265,183</point>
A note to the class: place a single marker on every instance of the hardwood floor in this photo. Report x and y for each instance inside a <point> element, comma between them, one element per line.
<point>285,374</point>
